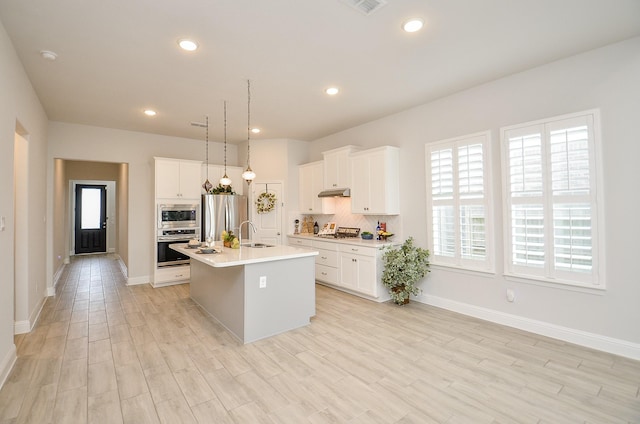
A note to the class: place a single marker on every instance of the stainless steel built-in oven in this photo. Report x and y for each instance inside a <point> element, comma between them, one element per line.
<point>168,256</point>
<point>171,216</point>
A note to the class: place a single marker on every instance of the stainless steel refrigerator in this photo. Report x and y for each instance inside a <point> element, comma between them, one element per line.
<point>222,212</point>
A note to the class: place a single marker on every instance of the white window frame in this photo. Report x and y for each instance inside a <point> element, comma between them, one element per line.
<point>457,260</point>
<point>547,273</point>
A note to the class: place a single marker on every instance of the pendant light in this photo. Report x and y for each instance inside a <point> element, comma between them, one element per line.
<point>207,186</point>
<point>248,175</point>
<point>225,181</point>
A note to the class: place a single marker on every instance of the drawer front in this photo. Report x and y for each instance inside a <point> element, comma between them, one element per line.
<point>357,250</point>
<point>172,273</point>
<point>327,257</point>
<point>327,274</point>
<point>326,245</point>
<point>300,242</point>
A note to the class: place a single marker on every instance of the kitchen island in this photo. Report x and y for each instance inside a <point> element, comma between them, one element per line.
<point>254,292</point>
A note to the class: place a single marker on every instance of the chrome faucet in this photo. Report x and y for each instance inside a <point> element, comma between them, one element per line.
<point>240,230</point>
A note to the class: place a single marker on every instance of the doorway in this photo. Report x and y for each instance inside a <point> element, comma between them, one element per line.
<point>268,221</point>
<point>90,219</point>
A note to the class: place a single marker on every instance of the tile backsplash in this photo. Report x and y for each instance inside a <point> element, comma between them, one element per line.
<point>344,218</point>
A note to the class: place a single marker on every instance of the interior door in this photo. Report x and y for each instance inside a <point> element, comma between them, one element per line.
<point>268,224</point>
<point>91,218</point>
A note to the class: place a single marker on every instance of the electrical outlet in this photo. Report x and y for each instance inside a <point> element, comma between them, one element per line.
<point>2,223</point>
<point>263,281</point>
<point>511,295</point>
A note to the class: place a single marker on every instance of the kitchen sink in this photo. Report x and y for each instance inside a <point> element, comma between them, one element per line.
<point>257,245</point>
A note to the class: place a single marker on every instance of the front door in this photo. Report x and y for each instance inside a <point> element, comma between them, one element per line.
<point>267,212</point>
<point>91,218</point>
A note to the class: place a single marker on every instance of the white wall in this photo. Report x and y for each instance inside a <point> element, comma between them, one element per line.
<point>20,110</point>
<point>606,78</point>
<point>81,142</point>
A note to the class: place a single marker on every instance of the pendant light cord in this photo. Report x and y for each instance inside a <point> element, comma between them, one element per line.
<point>207,142</point>
<point>248,123</point>
<point>225,138</point>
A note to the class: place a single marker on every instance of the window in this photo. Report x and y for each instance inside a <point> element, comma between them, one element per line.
<point>550,199</point>
<point>458,195</point>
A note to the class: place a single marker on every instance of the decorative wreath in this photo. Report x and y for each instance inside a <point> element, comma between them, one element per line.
<point>266,202</point>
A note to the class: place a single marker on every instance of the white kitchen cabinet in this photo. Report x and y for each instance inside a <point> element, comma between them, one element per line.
<point>299,242</point>
<point>353,266</point>
<point>375,181</point>
<point>359,270</point>
<point>217,171</point>
<point>171,275</point>
<point>326,261</point>
<point>177,179</point>
<point>311,183</point>
<point>337,169</point>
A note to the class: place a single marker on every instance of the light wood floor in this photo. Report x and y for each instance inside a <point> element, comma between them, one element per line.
<point>103,352</point>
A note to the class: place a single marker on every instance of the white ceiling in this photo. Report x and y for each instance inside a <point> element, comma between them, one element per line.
<point>117,57</point>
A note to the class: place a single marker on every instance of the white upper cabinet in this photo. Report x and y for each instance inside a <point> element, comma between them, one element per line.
<point>311,183</point>
<point>337,170</point>
<point>217,171</point>
<point>375,181</point>
<point>177,179</point>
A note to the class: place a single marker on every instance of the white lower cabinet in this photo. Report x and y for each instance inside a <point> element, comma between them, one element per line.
<point>359,270</point>
<point>171,275</point>
<point>299,242</point>
<point>326,261</point>
<point>348,267</point>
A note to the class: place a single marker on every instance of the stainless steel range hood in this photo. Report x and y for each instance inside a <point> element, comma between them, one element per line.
<point>336,192</point>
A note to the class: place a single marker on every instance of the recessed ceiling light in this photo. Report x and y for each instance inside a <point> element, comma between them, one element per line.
<point>255,130</point>
<point>413,25</point>
<point>188,45</point>
<point>332,91</point>
<point>48,55</point>
<point>150,112</point>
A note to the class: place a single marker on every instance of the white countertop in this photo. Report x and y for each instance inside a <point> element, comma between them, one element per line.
<point>357,241</point>
<point>244,255</point>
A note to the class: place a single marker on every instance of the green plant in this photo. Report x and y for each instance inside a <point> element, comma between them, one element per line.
<point>404,266</point>
<point>222,190</point>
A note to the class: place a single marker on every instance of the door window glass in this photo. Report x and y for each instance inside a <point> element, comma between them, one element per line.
<point>91,205</point>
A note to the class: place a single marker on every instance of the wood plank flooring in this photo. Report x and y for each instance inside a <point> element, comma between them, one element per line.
<point>103,352</point>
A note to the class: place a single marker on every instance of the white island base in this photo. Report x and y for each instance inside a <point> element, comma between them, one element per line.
<point>232,294</point>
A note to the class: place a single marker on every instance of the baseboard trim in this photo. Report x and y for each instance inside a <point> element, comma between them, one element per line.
<point>51,291</point>
<point>123,267</point>
<point>571,335</point>
<point>7,364</point>
<point>131,281</point>
<point>138,280</point>
<point>21,327</point>
<point>25,326</point>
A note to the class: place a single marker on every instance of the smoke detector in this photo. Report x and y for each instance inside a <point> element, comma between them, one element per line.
<point>366,7</point>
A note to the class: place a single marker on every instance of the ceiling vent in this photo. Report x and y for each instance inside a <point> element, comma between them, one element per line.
<point>366,7</point>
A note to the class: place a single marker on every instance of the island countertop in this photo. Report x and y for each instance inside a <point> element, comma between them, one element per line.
<point>228,257</point>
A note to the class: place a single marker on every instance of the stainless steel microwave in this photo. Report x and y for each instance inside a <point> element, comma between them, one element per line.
<point>178,216</point>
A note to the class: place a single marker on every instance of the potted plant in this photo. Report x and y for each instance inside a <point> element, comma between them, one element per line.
<point>230,240</point>
<point>404,266</point>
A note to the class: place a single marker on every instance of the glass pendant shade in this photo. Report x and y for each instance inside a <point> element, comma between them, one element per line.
<point>249,175</point>
<point>225,181</point>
